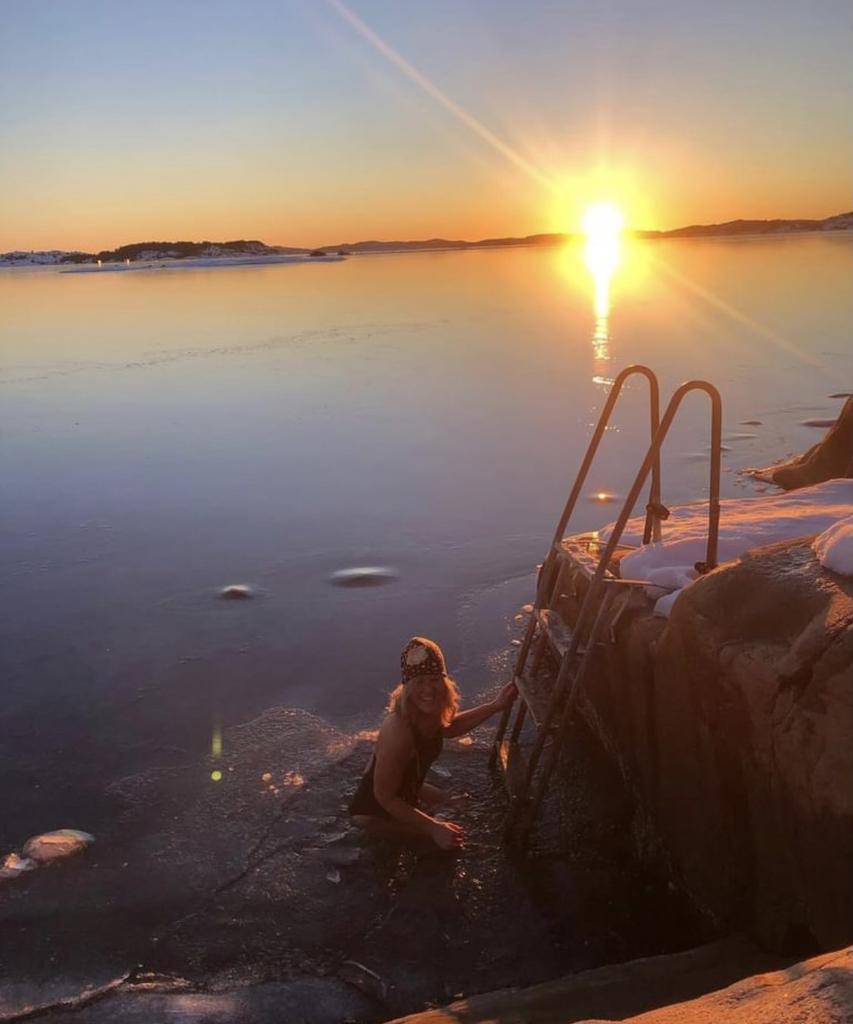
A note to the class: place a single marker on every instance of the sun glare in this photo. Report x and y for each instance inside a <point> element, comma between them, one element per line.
<point>602,222</point>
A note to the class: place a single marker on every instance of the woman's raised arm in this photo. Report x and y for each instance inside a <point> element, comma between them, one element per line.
<point>465,721</point>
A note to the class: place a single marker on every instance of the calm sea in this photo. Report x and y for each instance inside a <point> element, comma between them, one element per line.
<point>166,433</point>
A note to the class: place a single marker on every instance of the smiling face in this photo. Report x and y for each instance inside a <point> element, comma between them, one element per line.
<point>427,694</point>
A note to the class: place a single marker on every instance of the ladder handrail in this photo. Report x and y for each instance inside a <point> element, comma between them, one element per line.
<point>595,440</point>
<point>596,583</point>
<point>628,505</point>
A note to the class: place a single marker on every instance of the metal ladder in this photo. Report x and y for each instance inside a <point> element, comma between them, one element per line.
<point>585,566</point>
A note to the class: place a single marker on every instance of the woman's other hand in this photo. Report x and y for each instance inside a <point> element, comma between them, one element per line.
<point>506,696</point>
<point>446,835</point>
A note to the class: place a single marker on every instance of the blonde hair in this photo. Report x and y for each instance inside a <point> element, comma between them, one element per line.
<point>398,702</point>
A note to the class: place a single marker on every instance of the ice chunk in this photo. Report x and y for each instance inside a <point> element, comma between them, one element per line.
<point>54,845</point>
<point>364,576</point>
<point>13,865</point>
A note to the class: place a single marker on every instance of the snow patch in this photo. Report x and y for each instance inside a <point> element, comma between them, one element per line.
<point>745,523</point>
<point>834,548</point>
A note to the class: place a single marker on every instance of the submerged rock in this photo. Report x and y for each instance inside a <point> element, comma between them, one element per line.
<point>50,846</point>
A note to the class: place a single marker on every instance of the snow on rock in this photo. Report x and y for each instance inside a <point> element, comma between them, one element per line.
<point>834,548</point>
<point>745,523</point>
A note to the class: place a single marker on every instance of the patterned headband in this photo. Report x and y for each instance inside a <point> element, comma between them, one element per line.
<point>421,657</point>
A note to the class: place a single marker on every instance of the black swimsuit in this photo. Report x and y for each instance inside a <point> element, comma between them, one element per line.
<point>427,749</point>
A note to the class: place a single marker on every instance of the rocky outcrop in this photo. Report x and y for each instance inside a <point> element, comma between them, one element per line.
<point>830,457</point>
<point>818,991</point>
<point>733,721</point>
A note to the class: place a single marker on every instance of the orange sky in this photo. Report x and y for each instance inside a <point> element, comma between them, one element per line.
<point>316,123</point>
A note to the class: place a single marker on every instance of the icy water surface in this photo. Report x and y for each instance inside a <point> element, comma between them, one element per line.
<point>405,425</point>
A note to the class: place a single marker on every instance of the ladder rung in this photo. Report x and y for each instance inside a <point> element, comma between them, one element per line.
<point>514,764</point>
<point>558,633</point>
<point>536,692</point>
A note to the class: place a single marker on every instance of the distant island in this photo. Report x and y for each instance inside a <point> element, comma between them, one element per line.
<point>245,249</point>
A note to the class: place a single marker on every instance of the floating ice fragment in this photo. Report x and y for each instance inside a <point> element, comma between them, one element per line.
<point>333,875</point>
<point>54,845</point>
<point>364,576</point>
<point>13,865</point>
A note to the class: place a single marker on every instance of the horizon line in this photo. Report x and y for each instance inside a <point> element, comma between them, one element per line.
<point>565,235</point>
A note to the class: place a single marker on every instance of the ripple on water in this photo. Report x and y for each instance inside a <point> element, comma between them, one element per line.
<point>817,423</point>
<point>364,576</point>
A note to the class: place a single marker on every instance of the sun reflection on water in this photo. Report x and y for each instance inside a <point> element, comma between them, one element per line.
<point>602,225</point>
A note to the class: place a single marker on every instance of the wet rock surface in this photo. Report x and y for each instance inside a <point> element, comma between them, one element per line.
<point>215,895</point>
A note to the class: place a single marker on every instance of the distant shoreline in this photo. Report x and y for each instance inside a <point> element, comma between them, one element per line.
<point>139,255</point>
<point>742,228</point>
<point>201,263</point>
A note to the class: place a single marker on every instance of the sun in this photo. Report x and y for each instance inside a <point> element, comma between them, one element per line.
<point>602,222</point>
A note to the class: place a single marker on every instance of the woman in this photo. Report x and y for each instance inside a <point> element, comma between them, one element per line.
<point>421,712</point>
